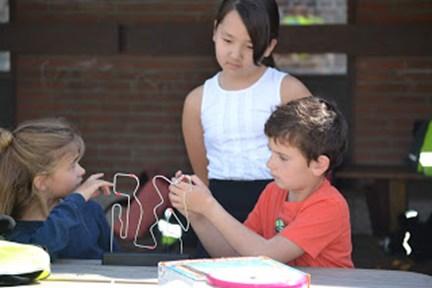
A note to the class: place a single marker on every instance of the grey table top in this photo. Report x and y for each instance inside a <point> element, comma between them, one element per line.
<point>91,273</point>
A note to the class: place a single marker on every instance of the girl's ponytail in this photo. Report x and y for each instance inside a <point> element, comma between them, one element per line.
<point>6,138</point>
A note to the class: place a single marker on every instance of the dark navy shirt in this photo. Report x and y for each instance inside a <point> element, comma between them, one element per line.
<point>73,229</point>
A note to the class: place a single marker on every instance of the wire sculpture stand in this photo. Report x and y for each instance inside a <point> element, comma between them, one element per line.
<point>147,257</point>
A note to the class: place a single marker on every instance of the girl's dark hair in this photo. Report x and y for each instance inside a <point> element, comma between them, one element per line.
<point>261,18</point>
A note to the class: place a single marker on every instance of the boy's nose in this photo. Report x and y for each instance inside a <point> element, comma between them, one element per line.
<point>269,162</point>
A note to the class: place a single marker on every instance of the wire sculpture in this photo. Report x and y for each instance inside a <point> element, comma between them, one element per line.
<point>124,224</point>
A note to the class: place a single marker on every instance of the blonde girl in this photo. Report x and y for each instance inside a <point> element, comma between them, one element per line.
<point>42,188</point>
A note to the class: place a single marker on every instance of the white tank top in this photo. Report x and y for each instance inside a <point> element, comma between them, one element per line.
<point>233,124</point>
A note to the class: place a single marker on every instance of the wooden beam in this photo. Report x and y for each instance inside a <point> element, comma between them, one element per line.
<point>357,40</point>
<point>59,39</point>
<point>189,39</point>
<point>7,101</point>
<point>169,39</point>
<point>354,40</point>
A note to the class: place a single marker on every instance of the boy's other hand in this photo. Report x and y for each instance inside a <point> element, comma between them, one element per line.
<point>193,193</point>
<point>93,186</point>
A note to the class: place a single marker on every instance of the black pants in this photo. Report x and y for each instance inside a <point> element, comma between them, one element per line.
<point>237,197</point>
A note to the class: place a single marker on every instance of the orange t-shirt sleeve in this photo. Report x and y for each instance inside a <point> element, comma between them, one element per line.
<point>316,226</point>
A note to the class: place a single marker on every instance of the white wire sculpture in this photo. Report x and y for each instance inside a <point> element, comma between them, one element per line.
<point>124,224</point>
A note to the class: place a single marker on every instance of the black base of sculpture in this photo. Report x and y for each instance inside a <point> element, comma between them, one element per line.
<point>140,259</point>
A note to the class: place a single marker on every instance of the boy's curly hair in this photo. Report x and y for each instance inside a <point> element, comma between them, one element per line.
<point>313,125</point>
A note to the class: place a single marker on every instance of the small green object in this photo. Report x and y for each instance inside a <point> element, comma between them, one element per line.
<point>170,232</point>
<point>168,241</point>
<point>279,225</point>
<point>426,168</point>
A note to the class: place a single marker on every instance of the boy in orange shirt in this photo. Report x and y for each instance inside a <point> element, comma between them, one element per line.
<point>300,218</point>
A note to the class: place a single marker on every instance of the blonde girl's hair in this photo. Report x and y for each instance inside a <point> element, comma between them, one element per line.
<point>34,147</point>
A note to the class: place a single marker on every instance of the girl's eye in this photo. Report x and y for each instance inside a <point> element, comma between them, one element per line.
<point>227,40</point>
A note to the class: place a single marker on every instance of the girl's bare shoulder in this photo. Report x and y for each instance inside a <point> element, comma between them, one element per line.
<point>194,98</point>
<point>292,89</point>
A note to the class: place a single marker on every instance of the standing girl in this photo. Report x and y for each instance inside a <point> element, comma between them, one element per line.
<point>40,186</point>
<point>223,120</point>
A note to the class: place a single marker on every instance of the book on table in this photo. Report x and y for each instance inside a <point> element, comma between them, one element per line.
<point>231,272</point>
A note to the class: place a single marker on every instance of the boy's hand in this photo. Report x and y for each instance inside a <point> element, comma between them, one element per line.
<point>194,193</point>
<point>93,186</point>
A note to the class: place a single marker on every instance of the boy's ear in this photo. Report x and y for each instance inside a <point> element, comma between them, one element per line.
<point>320,166</point>
<point>270,48</point>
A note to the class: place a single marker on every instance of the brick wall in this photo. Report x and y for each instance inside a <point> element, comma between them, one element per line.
<point>119,11</point>
<point>390,92</point>
<point>394,11</point>
<point>128,107</point>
